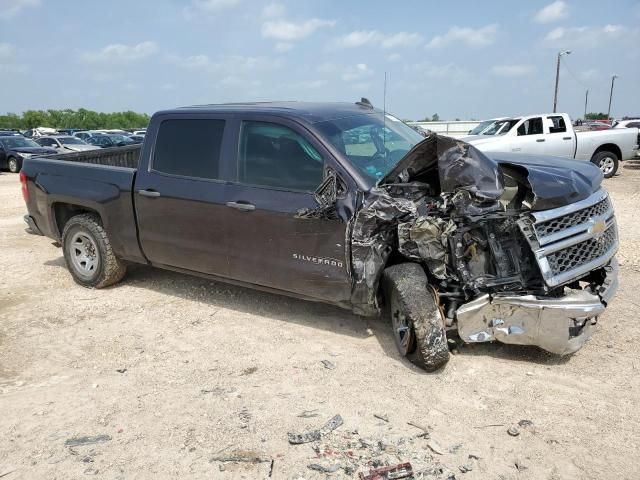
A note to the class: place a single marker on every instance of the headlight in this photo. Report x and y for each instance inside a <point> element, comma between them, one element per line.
<point>25,155</point>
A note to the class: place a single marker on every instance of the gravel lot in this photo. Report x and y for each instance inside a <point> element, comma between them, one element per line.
<point>176,370</point>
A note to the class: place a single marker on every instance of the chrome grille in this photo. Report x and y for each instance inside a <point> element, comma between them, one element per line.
<point>568,242</point>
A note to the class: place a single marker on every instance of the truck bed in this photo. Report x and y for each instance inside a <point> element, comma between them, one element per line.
<point>114,157</point>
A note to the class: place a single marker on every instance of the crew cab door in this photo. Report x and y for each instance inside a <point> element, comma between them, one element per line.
<point>529,136</point>
<point>560,141</point>
<point>180,197</point>
<point>279,165</point>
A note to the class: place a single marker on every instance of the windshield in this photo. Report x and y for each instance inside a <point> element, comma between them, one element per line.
<point>71,141</point>
<point>500,127</point>
<point>374,142</point>
<point>481,126</point>
<point>120,139</point>
<point>17,142</point>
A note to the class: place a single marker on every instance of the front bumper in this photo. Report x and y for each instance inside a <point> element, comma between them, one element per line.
<point>558,325</point>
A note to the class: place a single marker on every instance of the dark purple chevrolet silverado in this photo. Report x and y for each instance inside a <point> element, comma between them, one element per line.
<point>344,204</point>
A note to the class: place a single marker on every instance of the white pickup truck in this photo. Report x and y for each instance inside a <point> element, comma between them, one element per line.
<point>552,134</point>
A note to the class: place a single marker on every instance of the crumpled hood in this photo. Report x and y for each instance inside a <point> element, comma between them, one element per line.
<point>553,182</point>
<point>34,150</point>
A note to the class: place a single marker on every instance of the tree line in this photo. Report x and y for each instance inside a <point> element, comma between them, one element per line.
<point>81,118</point>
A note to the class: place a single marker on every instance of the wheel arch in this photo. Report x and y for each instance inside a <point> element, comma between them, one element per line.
<point>63,212</point>
<point>608,147</point>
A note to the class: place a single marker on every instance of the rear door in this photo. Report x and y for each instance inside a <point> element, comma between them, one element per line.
<point>180,197</point>
<point>279,165</point>
<point>559,141</point>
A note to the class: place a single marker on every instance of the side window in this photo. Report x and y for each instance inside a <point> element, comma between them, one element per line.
<point>558,125</point>
<point>533,126</point>
<point>633,125</point>
<point>273,155</point>
<point>189,147</point>
<point>44,142</point>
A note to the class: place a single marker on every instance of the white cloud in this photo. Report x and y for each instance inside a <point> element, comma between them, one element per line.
<point>120,53</point>
<point>394,57</point>
<point>358,72</point>
<point>6,51</point>
<point>11,8</point>
<point>283,47</point>
<point>326,67</point>
<point>311,84</point>
<point>288,31</point>
<point>471,37</point>
<point>449,71</point>
<point>213,6</point>
<point>361,38</point>
<point>230,65</point>
<point>512,70</point>
<point>7,60</point>
<point>552,13</point>
<point>273,10</point>
<point>588,37</point>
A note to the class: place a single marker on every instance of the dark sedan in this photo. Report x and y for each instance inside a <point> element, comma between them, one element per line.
<point>13,149</point>
<point>109,140</point>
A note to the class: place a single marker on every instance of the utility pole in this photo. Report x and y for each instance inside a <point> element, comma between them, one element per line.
<point>555,95</point>
<point>586,99</point>
<point>613,79</point>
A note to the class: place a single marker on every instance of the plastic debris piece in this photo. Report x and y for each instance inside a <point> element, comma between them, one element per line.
<point>315,435</point>
<point>78,441</point>
<point>402,470</point>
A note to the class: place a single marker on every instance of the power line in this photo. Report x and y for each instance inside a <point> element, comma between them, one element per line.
<point>572,74</point>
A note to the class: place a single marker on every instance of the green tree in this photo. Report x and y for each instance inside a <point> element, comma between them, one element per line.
<point>596,116</point>
<point>68,118</point>
<point>435,117</point>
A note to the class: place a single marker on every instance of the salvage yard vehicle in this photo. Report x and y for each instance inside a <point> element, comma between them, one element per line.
<point>344,204</point>
<point>15,148</point>
<point>553,134</point>
<point>64,143</point>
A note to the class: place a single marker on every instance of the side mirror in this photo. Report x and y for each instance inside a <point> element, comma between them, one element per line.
<point>327,192</point>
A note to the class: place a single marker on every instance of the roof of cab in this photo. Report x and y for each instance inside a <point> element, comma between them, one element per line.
<point>309,112</point>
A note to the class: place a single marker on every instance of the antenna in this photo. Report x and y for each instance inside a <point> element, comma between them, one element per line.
<point>384,115</point>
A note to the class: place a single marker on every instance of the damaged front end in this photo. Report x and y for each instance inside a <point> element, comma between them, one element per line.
<point>519,250</point>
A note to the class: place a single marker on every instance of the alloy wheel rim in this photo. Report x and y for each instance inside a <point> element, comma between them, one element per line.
<point>84,255</point>
<point>402,328</point>
<point>607,165</point>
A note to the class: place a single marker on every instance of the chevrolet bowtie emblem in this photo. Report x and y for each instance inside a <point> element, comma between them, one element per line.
<point>597,228</point>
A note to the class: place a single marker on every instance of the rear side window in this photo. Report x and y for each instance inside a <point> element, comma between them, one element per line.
<point>558,125</point>
<point>533,126</point>
<point>189,147</point>
<point>273,155</point>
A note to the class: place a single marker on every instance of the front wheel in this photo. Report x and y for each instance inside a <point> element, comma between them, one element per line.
<point>607,162</point>
<point>14,165</point>
<point>418,324</point>
<point>88,253</point>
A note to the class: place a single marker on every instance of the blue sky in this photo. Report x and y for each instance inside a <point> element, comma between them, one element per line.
<point>462,59</point>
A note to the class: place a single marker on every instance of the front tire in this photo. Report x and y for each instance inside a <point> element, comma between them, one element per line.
<point>418,324</point>
<point>607,162</point>
<point>14,164</point>
<point>88,253</point>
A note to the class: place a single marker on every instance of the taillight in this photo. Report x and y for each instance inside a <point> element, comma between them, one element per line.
<point>23,183</point>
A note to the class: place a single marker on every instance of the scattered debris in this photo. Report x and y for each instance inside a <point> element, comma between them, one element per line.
<point>467,467</point>
<point>121,370</point>
<point>249,371</point>
<point>309,414</point>
<point>474,456</point>
<point>435,447</point>
<point>525,423</point>
<point>513,431</point>
<point>328,364</point>
<point>490,425</point>
<point>91,471</point>
<point>425,430</point>
<point>382,416</point>
<point>271,467</point>
<point>4,474</point>
<point>519,466</point>
<point>218,390</point>
<point>77,441</point>
<point>403,470</point>
<point>324,469</point>
<point>315,435</point>
<point>455,448</point>
<point>244,456</point>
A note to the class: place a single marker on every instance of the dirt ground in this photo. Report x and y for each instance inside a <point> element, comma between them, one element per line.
<point>177,373</point>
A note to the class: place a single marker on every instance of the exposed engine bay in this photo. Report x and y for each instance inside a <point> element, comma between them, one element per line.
<point>487,229</point>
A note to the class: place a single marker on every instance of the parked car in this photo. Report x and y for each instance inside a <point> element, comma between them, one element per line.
<point>15,148</point>
<point>484,126</point>
<point>39,132</point>
<point>591,126</point>
<point>137,138</point>
<point>10,133</point>
<point>553,134</point>
<point>86,134</point>
<point>106,140</point>
<point>630,123</point>
<point>65,143</point>
<point>139,132</point>
<point>272,196</point>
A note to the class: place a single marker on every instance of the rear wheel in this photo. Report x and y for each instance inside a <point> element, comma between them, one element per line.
<point>607,162</point>
<point>418,325</point>
<point>14,164</point>
<point>88,253</point>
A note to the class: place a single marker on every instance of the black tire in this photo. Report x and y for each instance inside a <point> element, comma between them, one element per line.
<point>411,301</point>
<point>85,234</point>
<point>607,162</point>
<point>14,164</point>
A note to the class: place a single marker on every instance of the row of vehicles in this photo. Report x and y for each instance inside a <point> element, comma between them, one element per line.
<point>15,147</point>
<point>553,134</point>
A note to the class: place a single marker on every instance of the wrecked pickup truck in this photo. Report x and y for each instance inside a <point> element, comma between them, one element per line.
<point>344,204</point>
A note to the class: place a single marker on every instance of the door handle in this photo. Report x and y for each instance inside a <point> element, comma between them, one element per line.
<point>540,140</point>
<point>567,138</point>
<point>149,193</point>
<point>242,206</point>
